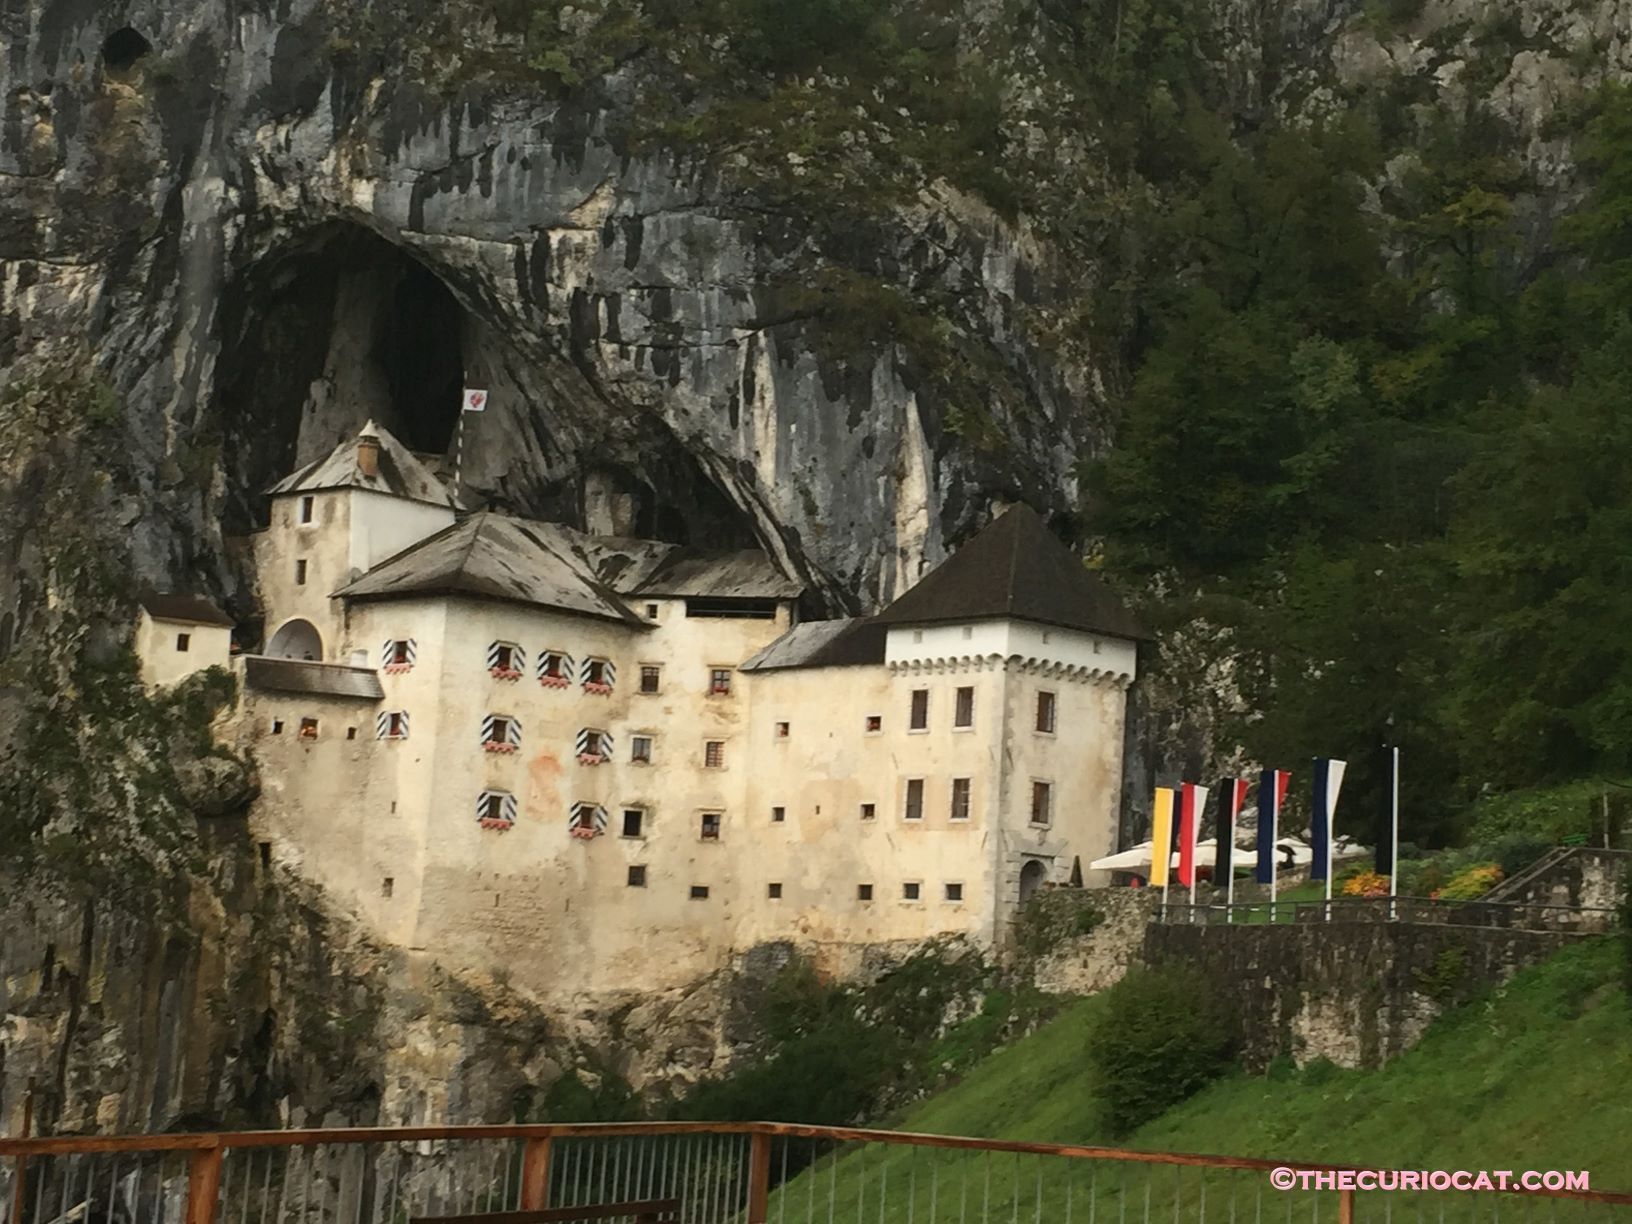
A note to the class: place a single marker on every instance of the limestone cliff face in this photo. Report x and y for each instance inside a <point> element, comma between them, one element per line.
<point>266,221</point>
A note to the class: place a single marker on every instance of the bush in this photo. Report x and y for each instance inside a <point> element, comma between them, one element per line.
<point>1471,883</point>
<point>1163,1035</point>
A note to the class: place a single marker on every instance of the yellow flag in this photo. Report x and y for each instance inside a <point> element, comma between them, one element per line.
<point>1161,836</point>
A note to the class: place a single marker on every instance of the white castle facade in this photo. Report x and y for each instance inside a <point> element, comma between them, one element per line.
<point>601,764</point>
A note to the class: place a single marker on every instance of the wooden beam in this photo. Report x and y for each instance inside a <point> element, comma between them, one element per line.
<point>535,1174</point>
<point>759,1177</point>
<point>203,1185</point>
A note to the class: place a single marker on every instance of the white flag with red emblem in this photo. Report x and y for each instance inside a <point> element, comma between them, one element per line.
<point>475,400</point>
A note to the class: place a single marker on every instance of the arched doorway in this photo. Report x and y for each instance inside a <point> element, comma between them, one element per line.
<point>1031,879</point>
<point>296,639</point>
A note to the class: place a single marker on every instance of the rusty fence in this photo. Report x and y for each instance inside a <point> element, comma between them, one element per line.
<point>700,1173</point>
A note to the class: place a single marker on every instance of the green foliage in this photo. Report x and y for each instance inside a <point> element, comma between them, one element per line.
<point>1447,976</point>
<point>595,1094</point>
<point>1162,1036</point>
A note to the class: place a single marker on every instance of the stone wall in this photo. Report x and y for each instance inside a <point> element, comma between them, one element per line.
<point>1357,994</point>
<point>1586,876</point>
<point>1082,940</point>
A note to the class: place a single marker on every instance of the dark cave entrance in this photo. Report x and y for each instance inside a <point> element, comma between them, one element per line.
<point>121,50</point>
<point>339,330</point>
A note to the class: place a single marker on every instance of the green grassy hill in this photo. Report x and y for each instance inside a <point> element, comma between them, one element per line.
<point>1536,1076</point>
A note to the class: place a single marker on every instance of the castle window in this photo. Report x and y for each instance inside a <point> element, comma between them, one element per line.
<point>634,822</point>
<point>651,677</point>
<point>714,754</point>
<point>960,799</point>
<point>651,611</point>
<point>968,632</point>
<point>496,809</point>
<point>506,661</point>
<point>954,892</point>
<point>782,730</point>
<point>710,828</point>
<point>869,811</point>
<point>387,886</point>
<point>915,799</point>
<point>500,733</point>
<point>555,669</point>
<point>864,892</point>
<point>774,891</point>
<point>1045,712</point>
<point>920,711</point>
<point>911,890</point>
<point>308,728</point>
<point>875,724</point>
<point>963,714</point>
<point>586,821</point>
<point>640,749</point>
<point>594,747</point>
<point>598,676</point>
<point>306,506</point>
<point>183,641</point>
<point>391,725</point>
<point>1042,802</point>
<point>300,573</point>
<point>637,876</point>
<point>699,892</point>
<point>732,609</point>
<point>779,815</point>
<point>277,726</point>
<point>719,682</point>
<point>398,654</point>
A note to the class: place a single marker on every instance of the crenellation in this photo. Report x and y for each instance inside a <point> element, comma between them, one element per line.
<point>594,764</point>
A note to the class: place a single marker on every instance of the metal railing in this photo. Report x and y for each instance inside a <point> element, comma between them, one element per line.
<point>748,1173</point>
<point>1507,915</point>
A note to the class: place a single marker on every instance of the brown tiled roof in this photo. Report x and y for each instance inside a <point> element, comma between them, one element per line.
<point>857,642</point>
<point>1014,569</point>
<point>189,609</point>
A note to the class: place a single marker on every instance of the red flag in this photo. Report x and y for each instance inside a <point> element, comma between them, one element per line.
<point>1192,800</point>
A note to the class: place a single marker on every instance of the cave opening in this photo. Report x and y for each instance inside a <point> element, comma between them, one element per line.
<point>122,48</point>
<point>342,328</point>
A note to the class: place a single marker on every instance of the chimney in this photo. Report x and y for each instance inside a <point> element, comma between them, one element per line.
<point>368,455</point>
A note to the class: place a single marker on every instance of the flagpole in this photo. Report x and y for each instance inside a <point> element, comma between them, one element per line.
<point>1229,876</point>
<point>1331,837</point>
<point>1394,833</point>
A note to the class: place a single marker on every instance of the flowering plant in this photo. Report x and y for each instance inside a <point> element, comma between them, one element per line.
<point>596,686</point>
<point>494,746</point>
<point>393,669</point>
<point>504,673</point>
<point>1366,884</point>
<point>495,822</point>
<point>554,681</point>
<point>584,832</point>
<point>591,758</point>
<point>1471,882</point>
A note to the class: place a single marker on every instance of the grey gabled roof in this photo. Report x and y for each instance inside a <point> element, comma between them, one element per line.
<point>1014,569</point>
<point>400,473</point>
<point>855,642</point>
<point>490,556</point>
<point>747,574</point>
<point>319,679</point>
<point>188,609</point>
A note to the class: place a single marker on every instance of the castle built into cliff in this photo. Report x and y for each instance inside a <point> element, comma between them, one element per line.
<point>603,764</point>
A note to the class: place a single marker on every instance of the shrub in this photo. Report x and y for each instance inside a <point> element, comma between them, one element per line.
<point>1471,883</point>
<point>1366,884</point>
<point>1163,1035</point>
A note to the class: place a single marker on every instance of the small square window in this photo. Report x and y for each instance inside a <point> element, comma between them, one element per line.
<point>911,890</point>
<point>869,811</point>
<point>963,714</point>
<point>960,799</point>
<point>773,891</point>
<point>1045,712</point>
<point>640,749</point>
<point>308,728</point>
<point>399,655</point>
<point>306,506</point>
<point>782,729</point>
<point>634,820</point>
<point>954,892</point>
<point>277,726</point>
<point>637,875</point>
<point>183,641</point>
<point>719,681</point>
<point>920,710</point>
<point>300,573</point>
<point>915,799</point>
<point>875,723</point>
<point>351,733</point>
<point>699,892</point>
<point>651,611</point>
<point>968,632</point>
<point>387,886</point>
<point>917,635</point>
<point>714,754</point>
<point>864,892</point>
<point>778,815</point>
<point>1042,802</point>
<point>710,827</point>
<point>651,677</point>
